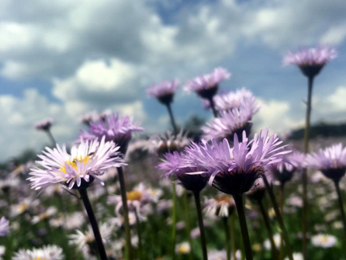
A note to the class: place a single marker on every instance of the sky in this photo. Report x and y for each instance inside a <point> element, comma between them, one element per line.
<point>63,58</point>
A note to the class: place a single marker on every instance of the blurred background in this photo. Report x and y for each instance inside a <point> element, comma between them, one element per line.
<point>62,58</point>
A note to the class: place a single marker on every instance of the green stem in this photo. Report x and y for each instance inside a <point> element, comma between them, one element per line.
<point>98,239</point>
<point>139,233</point>
<point>125,212</point>
<point>228,237</point>
<point>341,205</point>
<point>187,223</point>
<point>281,199</point>
<point>269,229</point>
<point>233,247</point>
<point>212,105</point>
<point>169,108</point>
<point>304,173</point>
<point>238,199</point>
<point>201,225</point>
<point>279,217</point>
<point>51,138</point>
<point>174,220</point>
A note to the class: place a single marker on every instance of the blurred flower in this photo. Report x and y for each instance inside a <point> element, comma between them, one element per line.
<point>49,212</point>
<point>164,91</point>
<point>206,85</point>
<point>168,142</point>
<point>296,256</point>
<point>86,162</point>
<point>196,232</point>
<point>337,225</point>
<point>229,123</point>
<point>312,60</point>
<point>222,206</point>
<point>113,128</point>
<point>74,220</point>
<point>25,205</point>
<point>234,170</point>
<point>295,201</point>
<point>324,241</point>
<point>331,161</point>
<point>277,242</point>
<point>7,184</point>
<point>217,254</point>
<point>44,125</point>
<point>182,248</point>
<point>49,252</point>
<point>174,164</point>
<point>90,117</point>
<point>258,190</point>
<point>4,227</point>
<point>2,251</point>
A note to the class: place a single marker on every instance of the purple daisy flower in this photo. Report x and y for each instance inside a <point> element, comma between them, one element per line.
<point>176,165</point>
<point>234,170</point>
<point>113,128</point>
<point>86,162</point>
<point>331,161</point>
<point>45,124</point>
<point>164,91</point>
<point>228,123</point>
<point>206,85</point>
<point>311,60</point>
<point>4,227</point>
<point>284,170</point>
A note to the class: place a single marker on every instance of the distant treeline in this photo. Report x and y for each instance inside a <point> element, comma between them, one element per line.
<point>320,130</point>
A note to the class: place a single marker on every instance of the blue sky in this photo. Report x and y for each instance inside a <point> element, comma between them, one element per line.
<point>64,58</point>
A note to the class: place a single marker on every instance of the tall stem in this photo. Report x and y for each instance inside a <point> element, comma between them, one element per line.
<point>174,220</point>
<point>212,105</point>
<point>201,225</point>
<point>187,223</point>
<point>281,196</point>
<point>304,173</point>
<point>341,205</point>
<point>51,138</point>
<point>169,108</point>
<point>269,229</point>
<point>228,237</point>
<point>139,233</point>
<point>125,212</point>
<point>279,218</point>
<point>233,248</point>
<point>238,199</point>
<point>98,239</point>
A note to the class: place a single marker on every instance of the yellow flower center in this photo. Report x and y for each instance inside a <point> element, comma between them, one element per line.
<point>22,207</point>
<point>224,198</point>
<point>74,163</point>
<point>134,195</point>
<point>183,249</point>
<point>324,239</point>
<point>38,258</point>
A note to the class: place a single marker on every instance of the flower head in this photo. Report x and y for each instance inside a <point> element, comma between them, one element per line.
<point>312,60</point>
<point>206,85</point>
<point>177,165</point>
<point>4,227</point>
<point>234,170</point>
<point>113,128</point>
<point>50,252</point>
<point>229,123</point>
<point>90,117</point>
<point>331,161</point>
<point>80,167</point>
<point>164,91</point>
<point>324,241</point>
<point>221,206</point>
<point>45,124</point>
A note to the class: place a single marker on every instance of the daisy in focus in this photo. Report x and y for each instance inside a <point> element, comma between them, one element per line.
<point>86,162</point>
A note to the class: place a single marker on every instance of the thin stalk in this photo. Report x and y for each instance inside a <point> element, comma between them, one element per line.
<point>212,105</point>
<point>228,237</point>
<point>98,239</point>
<point>269,229</point>
<point>139,233</point>
<point>233,248</point>
<point>51,138</point>
<point>279,218</point>
<point>201,225</point>
<point>169,108</point>
<point>281,203</point>
<point>187,223</point>
<point>304,173</point>
<point>125,212</point>
<point>174,220</point>
<point>238,199</point>
<point>341,205</point>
